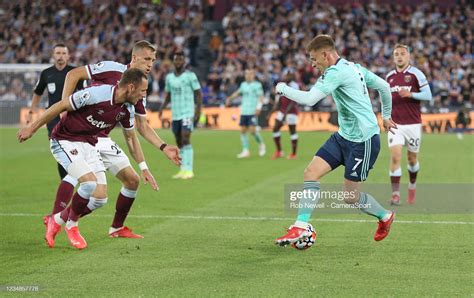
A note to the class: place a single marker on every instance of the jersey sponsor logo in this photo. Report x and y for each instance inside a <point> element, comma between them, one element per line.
<point>399,88</point>
<point>120,116</point>
<point>96,123</point>
<point>100,112</point>
<point>51,88</point>
<point>407,78</point>
<point>98,66</point>
<point>74,152</point>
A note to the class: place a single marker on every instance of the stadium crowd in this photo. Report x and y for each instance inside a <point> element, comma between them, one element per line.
<point>269,37</point>
<point>272,38</point>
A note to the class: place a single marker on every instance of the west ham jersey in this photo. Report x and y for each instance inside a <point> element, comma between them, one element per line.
<point>94,110</point>
<point>406,110</point>
<point>110,72</point>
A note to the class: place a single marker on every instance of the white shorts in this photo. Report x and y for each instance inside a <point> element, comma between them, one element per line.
<point>77,158</point>
<point>291,119</point>
<point>112,155</point>
<point>409,134</point>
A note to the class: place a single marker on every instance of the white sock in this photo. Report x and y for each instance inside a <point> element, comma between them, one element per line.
<point>301,224</point>
<point>387,216</point>
<point>57,218</point>
<point>71,224</point>
<point>113,230</point>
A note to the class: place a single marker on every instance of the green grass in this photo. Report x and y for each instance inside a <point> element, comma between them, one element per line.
<point>188,251</point>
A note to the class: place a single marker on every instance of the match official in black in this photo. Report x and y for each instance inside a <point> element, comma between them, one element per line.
<point>52,78</point>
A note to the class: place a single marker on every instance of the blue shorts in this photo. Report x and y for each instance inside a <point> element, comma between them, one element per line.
<point>248,120</point>
<point>183,125</point>
<point>357,158</point>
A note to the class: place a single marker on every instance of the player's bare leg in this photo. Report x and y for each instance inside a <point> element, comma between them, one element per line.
<point>277,139</point>
<point>245,143</point>
<point>261,145</point>
<point>187,154</point>
<point>313,173</point>
<point>294,141</point>
<point>413,168</point>
<point>370,206</point>
<point>130,182</point>
<point>395,173</point>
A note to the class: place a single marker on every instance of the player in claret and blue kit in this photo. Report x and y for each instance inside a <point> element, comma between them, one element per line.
<point>357,143</point>
<point>409,88</point>
<point>73,141</point>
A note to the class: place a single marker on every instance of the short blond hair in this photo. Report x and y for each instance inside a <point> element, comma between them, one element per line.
<point>321,41</point>
<point>143,44</point>
<point>401,45</point>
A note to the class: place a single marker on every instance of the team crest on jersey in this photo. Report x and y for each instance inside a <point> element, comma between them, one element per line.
<point>98,66</point>
<point>120,116</point>
<point>73,151</point>
<point>407,79</point>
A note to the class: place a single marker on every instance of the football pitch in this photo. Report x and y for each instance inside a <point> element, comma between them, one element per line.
<point>213,235</point>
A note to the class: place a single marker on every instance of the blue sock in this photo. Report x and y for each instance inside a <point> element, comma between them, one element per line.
<point>182,152</point>
<point>258,137</point>
<point>308,202</point>
<point>370,206</point>
<point>245,141</point>
<point>189,152</point>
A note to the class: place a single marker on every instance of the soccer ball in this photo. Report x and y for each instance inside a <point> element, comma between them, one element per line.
<point>307,242</point>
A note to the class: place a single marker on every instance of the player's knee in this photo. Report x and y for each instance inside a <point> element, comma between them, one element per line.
<point>395,159</point>
<point>292,129</point>
<point>186,142</point>
<point>351,198</point>
<point>100,191</point>
<point>86,189</point>
<point>132,181</point>
<point>311,174</point>
<point>412,159</point>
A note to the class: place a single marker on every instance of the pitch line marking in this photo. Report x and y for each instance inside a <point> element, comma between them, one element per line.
<point>243,218</point>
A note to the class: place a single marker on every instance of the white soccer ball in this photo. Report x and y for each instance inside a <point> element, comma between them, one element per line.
<point>307,242</point>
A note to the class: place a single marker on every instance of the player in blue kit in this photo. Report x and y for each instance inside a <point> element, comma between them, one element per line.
<point>356,144</point>
<point>183,90</point>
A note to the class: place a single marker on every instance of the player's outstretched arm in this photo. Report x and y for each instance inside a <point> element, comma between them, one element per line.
<point>232,97</point>
<point>165,104</point>
<point>375,82</point>
<point>72,79</point>
<point>423,95</point>
<point>136,151</point>
<point>198,102</point>
<point>144,128</point>
<point>309,98</point>
<point>51,113</point>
